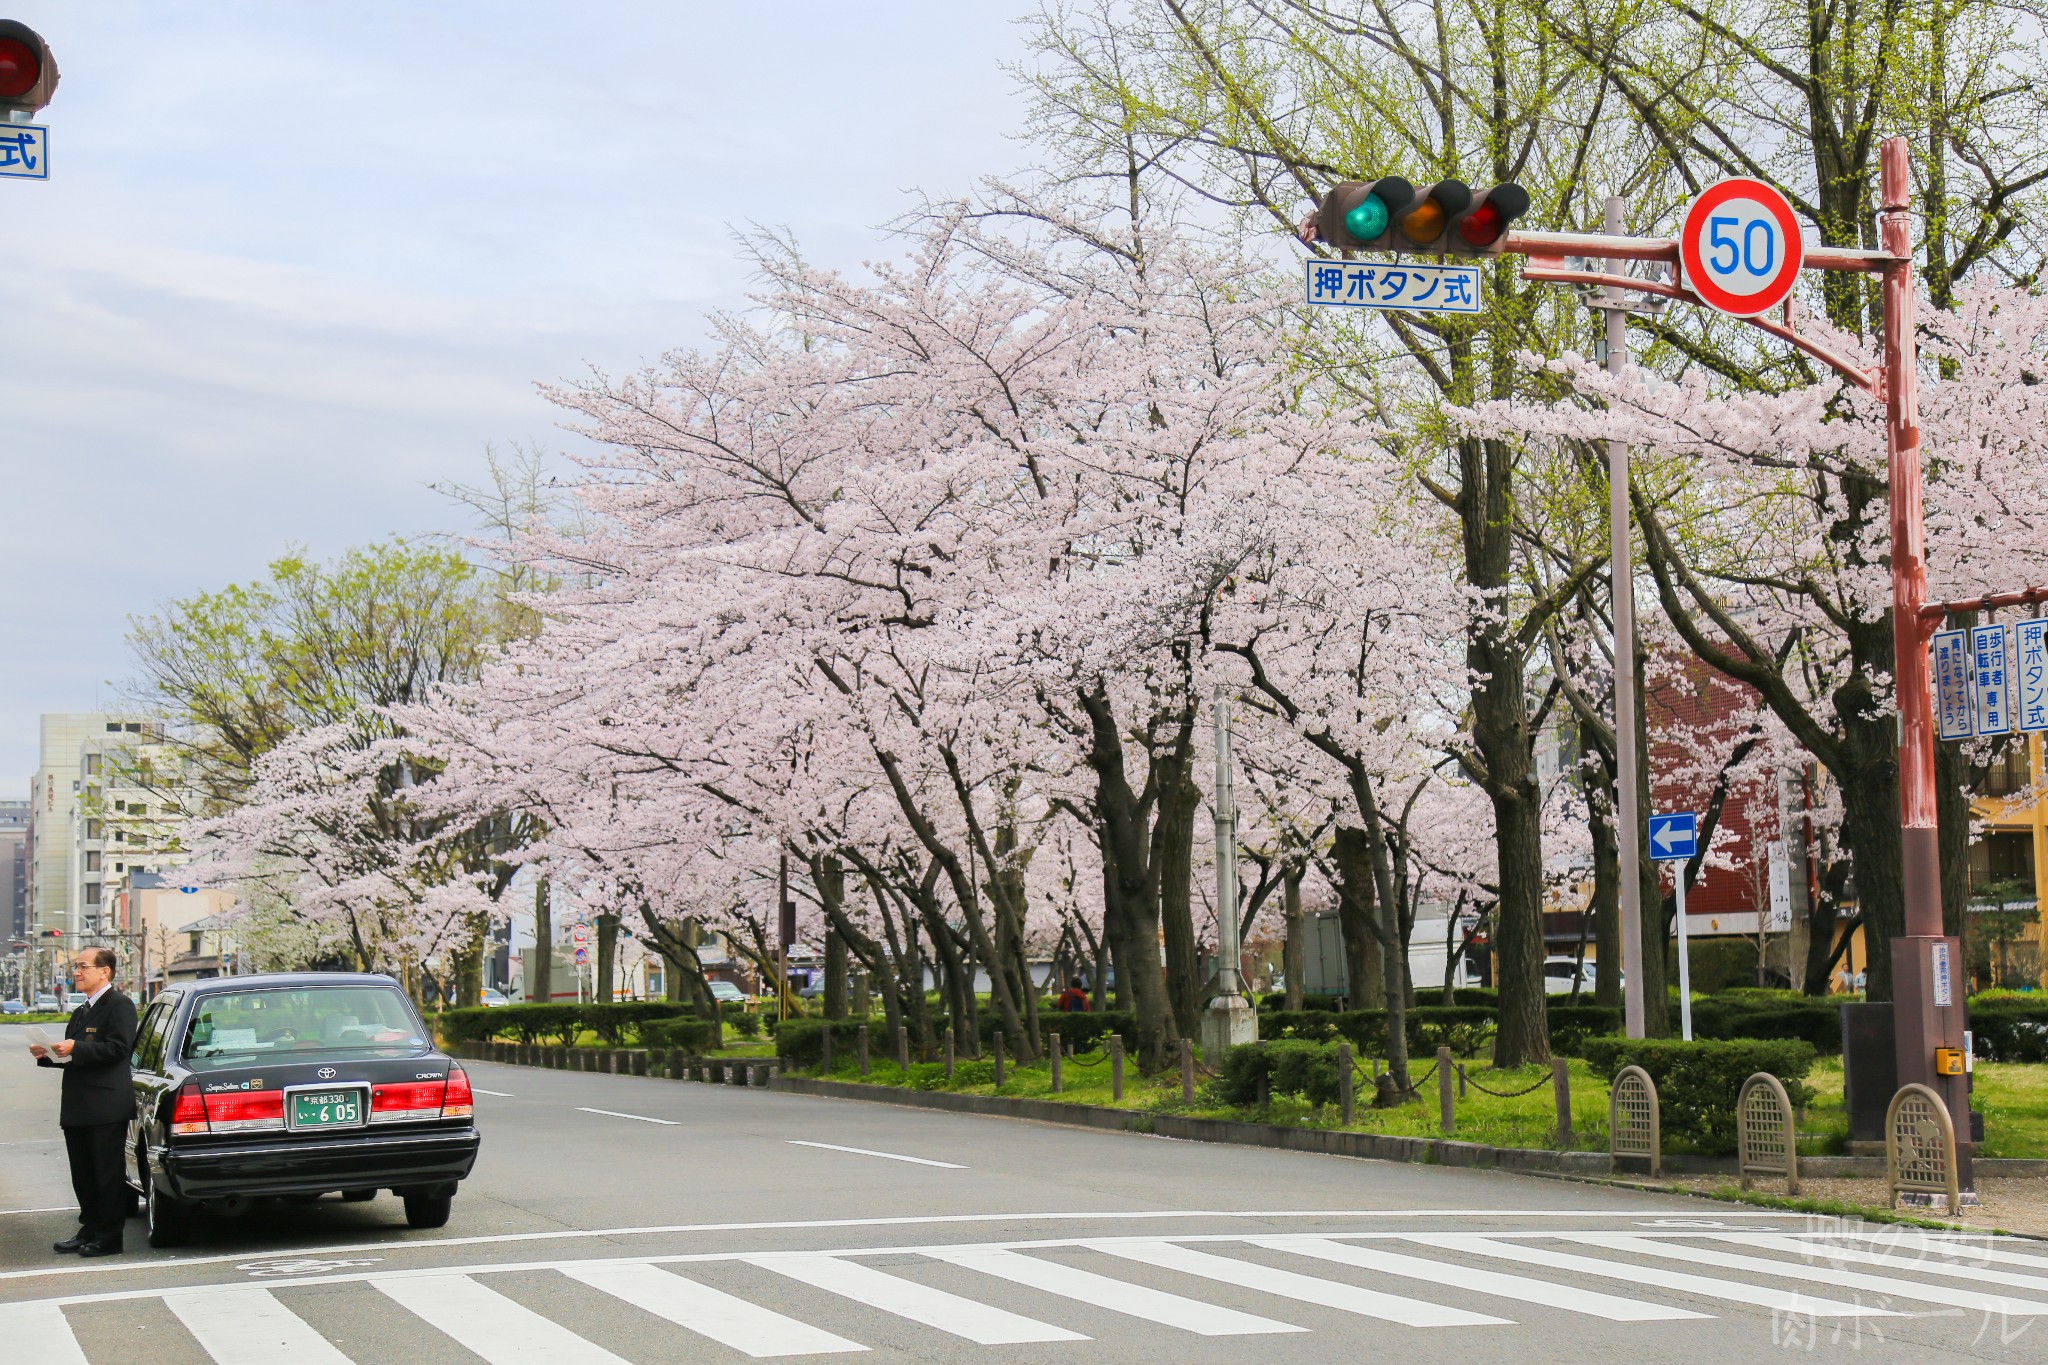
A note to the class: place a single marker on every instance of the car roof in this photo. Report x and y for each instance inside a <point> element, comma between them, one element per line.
<point>215,985</point>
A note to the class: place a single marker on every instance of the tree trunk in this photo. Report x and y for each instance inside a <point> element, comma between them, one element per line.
<point>835,975</point>
<point>1173,842</point>
<point>607,957</point>
<point>1130,882</point>
<point>1605,905</point>
<point>1365,974</point>
<point>1293,958</point>
<point>542,986</point>
<point>1870,825</point>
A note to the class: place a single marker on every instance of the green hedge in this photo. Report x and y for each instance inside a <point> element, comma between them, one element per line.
<point>614,1023</point>
<point>1572,1025</point>
<point>800,1042</point>
<point>1463,1028</point>
<point>1288,1067</point>
<point>693,1035</point>
<point>1698,1082</point>
<point>2010,1029</point>
<point>1760,1014</point>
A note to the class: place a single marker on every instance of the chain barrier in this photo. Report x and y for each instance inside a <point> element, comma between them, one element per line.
<point>1372,1082</point>
<point>1541,1081</point>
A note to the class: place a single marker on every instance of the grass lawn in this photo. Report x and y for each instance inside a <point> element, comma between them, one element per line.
<point>2013,1097</point>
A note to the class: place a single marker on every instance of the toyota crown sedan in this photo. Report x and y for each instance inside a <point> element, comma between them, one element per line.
<point>292,1086</point>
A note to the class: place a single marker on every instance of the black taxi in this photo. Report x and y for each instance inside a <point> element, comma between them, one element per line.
<point>292,1086</point>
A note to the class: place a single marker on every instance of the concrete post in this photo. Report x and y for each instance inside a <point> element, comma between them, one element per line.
<point>903,1048</point>
<point>1561,1090</point>
<point>999,1058</point>
<point>1116,1066</point>
<point>1187,1072</point>
<point>1229,1020</point>
<point>825,1047</point>
<point>949,1056</point>
<point>863,1051</point>
<point>1347,1096</point>
<point>1446,1092</point>
<point>1053,1040</point>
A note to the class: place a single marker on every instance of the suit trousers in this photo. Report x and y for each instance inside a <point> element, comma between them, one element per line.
<point>99,1180</point>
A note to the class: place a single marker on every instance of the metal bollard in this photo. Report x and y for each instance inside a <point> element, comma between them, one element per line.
<point>949,1056</point>
<point>1187,1072</point>
<point>1116,1066</point>
<point>1053,1039</point>
<point>1446,1092</point>
<point>1347,1097</point>
<point>863,1051</point>
<point>999,1058</point>
<point>825,1047</point>
<point>1561,1090</point>
<point>903,1048</point>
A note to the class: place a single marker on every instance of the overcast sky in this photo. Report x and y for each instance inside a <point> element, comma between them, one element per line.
<point>295,260</point>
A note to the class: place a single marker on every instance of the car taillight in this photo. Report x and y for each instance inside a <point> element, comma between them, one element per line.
<point>407,1101</point>
<point>188,1114</point>
<point>458,1103</point>
<point>245,1111</point>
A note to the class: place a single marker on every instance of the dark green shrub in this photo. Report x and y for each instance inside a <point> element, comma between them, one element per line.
<point>2011,1029</point>
<point>1277,1000</point>
<point>801,1041</point>
<point>1717,964</point>
<point>1463,1028</point>
<point>970,1073</point>
<point>1572,1025</point>
<point>1758,1014</point>
<point>530,1023</point>
<point>1698,1082</point>
<point>746,1023</point>
<point>1289,1067</point>
<point>1085,1032</point>
<point>692,1035</point>
<point>617,1022</point>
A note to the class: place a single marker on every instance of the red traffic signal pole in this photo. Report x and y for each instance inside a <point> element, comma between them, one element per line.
<point>1928,994</point>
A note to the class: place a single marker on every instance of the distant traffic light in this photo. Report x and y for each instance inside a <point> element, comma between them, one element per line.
<point>1390,214</point>
<point>28,73</point>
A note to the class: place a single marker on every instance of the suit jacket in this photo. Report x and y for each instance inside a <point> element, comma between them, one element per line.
<point>97,1086</point>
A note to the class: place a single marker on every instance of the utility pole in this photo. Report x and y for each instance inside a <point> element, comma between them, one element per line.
<point>1230,1019</point>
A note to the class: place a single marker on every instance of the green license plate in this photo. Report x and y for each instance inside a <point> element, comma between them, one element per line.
<point>327,1109</point>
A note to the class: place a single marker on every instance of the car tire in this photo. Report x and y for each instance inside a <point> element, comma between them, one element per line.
<point>358,1196</point>
<point>428,1210</point>
<point>170,1222</point>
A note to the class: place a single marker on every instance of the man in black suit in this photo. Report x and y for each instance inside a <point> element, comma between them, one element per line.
<point>98,1101</point>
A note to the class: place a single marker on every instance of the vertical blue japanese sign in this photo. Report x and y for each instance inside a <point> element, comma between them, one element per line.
<point>2030,674</point>
<point>1408,288</point>
<point>1988,663</point>
<point>1952,684</point>
<point>24,151</point>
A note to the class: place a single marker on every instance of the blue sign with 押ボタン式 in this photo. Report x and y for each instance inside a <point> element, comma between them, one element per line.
<point>1410,288</point>
<point>2030,674</point>
<point>1952,718</point>
<point>1989,677</point>
<point>1675,836</point>
<point>24,151</point>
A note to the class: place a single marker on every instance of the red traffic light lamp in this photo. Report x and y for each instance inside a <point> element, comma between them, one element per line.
<point>28,73</point>
<point>1480,228</point>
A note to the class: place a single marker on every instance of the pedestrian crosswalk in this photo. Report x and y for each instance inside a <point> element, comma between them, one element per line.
<point>1053,1293</point>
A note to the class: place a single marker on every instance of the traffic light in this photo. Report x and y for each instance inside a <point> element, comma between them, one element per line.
<point>53,933</point>
<point>28,73</point>
<point>1479,229</point>
<point>1424,222</point>
<point>1357,215</point>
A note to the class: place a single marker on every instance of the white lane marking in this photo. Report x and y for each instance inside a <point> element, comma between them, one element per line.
<point>977,1322</point>
<point>501,1330</point>
<point>1119,1296</point>
<point>886,1156</point>
<point>58,1208</point>
<point>500,1094</point>
<point>250,1327</point>
<point>1800,1270</point>
<point>1979,1273</point>
<point>39,1332</point>
<point>1759,1296</point>
<point>725,1318</point>
<point>1610,1306</point>
<point>1966,1246</point>
<point>812,1224</point>
<point>1265,1279</point>
<point>615,1114</point>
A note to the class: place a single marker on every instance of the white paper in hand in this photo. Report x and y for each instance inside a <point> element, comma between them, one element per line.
<point>38,1038</point>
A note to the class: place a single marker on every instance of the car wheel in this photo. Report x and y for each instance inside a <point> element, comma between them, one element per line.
<point>170,1222</point>
<point>358,1196</point>
<point>428,1210</point>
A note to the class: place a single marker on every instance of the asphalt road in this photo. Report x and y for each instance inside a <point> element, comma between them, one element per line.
<point>624,1219</point>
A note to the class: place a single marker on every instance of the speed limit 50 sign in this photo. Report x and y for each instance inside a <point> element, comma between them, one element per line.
<point>1740,247</point>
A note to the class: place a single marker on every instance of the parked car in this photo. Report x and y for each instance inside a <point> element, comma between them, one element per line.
<point>12,1007</point>
<point>1559,971</point>
<point>725,993</point>
<point>494,998</point>
<point>49,1004</point>
<point>293,1085</point>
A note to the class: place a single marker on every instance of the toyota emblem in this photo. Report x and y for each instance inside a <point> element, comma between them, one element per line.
<point>326,1073</point>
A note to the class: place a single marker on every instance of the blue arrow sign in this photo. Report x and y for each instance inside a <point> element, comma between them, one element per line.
<point>1674,837</point>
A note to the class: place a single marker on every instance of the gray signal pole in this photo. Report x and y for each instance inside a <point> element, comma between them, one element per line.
<point>1229,1020</point>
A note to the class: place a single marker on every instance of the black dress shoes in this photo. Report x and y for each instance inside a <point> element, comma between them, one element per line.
<point>68,1244</point>
<point>100,1249</point>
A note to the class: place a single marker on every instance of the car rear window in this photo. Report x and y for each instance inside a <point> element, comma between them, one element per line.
<point>232,1027</point>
